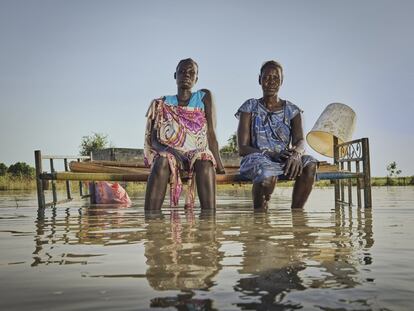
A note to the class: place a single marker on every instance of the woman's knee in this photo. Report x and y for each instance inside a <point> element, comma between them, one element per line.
<point>203,166</point>
<point>309,171</point>
<point>161,167</point>
<point>268,183</point>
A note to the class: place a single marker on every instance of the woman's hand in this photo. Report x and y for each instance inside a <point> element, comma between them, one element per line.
<point>220,170</point>
<point>293,166</point>
<point>278,156</point>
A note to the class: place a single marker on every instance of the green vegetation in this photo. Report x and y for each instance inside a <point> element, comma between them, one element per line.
<point>18,169</point>
<point>393,174</point>
<point>392,170</point>
<point>392,181</point>
<point>94,142</point>
<point>3,169</point>
<point>21,169</point>
<point>231,146</point>
<point>9,182</point>
<point>18,176</point>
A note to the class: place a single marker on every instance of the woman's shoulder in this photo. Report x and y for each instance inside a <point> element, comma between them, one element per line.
<point>200,98</point>
<point>292,109</point>
<point>203,92</point>
<point>249,105</point>
<point>170,99</point>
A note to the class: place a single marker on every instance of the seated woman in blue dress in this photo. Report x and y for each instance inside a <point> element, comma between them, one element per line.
<point>270,139</point>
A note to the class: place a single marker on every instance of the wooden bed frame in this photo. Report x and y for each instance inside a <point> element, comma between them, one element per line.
<point>351,165</point>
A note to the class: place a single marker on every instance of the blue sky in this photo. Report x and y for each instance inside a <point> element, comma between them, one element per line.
<point>70,68</point>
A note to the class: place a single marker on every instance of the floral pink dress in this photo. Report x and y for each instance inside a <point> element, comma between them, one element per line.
<point>183,132</point>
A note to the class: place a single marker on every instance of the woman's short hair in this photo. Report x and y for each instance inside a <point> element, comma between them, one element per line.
<point>272,63</point>
<point>185,60</point>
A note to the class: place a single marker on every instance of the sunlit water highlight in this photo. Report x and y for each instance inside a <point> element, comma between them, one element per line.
<point>81,257</point>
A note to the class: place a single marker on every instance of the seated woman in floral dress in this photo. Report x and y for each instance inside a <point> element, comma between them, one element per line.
<point>180,137</point>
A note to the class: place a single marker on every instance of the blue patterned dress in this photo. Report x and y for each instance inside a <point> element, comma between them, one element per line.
<point>269,131</point>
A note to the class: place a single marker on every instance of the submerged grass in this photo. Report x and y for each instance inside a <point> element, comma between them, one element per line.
<point>9,182</point>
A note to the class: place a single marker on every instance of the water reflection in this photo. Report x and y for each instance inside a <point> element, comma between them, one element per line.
<point>182,254</point>
<point>271,260</point>
<point>95,225</point>
<point>279,257</point>
<point>185,251</point>
<point>184,301</point>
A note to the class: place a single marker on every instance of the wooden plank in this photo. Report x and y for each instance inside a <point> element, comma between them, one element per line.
<point>227,178</point>
<point>221,179</point>
<point>118,167</point>
<point>62,157</point>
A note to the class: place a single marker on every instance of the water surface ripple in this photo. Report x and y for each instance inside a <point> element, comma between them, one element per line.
<point>82,257</point>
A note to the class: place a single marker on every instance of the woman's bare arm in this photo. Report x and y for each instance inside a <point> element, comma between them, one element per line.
<point>243,135</point>
<point>211,133</point>
<point>293,166</point>
<point>298,142</point>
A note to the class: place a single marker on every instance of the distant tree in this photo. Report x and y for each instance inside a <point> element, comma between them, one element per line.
<point>3,169</point>
<point>21,169</point>
<point>392,169</point>
<point>231,146</point>
<point>92,143</point>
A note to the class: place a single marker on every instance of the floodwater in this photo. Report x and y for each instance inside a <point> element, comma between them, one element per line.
<point>80,257</point>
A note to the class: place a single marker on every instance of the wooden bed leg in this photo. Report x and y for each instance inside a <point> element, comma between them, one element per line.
<point>358,185</point>
<point>68,190</point>
<point>349,185</point>
<point>39,184</point>
<point>336,157</point>
<point>367,173</point>
<point>54,192</point>
<point>92,189</point>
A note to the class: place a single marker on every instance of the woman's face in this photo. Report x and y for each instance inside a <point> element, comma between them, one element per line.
<point>186,75</point>
<point>270,80</point>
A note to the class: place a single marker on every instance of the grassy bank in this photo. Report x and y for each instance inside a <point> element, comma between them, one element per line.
<point>8,182</point>
<point>392,181</point>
